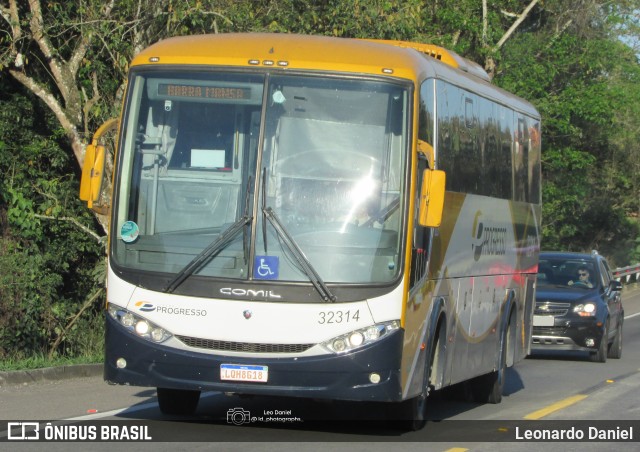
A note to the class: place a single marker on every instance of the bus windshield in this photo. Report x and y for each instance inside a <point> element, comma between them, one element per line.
<point>203,152</point>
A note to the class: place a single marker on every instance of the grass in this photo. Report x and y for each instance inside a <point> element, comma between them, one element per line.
<point>39,362</point>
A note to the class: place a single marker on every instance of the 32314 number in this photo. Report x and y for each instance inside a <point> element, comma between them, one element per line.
<point>327,317</point>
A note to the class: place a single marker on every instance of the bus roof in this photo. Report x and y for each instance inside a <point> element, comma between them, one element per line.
<point>411,61</point>
<point>282,50</point>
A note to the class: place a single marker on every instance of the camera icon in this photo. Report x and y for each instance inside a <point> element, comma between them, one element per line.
<point>238,416</point>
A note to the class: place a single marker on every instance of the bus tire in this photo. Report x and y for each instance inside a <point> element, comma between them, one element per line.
<point>177,401</point>
<point>415,409</point>
<point>488,388</point>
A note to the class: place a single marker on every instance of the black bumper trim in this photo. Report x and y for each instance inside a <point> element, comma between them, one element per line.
<point>338,377</point>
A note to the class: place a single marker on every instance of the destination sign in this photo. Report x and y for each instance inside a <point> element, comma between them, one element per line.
<point>203,92</point>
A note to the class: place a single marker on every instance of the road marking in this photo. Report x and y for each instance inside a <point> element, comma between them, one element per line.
<point>131,409</point>
<point>555,407</point>
<point>632,315</point>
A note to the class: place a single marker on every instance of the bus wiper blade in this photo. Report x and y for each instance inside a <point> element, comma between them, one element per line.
<point>384,213</point>
<point>264,208</point>
<point>206,254</point>
<point>245,235</point>
<point>307,267</point>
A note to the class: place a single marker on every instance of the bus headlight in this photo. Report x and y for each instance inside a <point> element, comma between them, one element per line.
<point>361,337</point>
<point>137,325</point>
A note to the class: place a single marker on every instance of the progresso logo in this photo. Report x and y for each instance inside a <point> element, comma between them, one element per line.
<point>143,306</point>
<point>487,239</point>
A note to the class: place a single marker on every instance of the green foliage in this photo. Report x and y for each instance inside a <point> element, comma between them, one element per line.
<point>45,261</point>
<point>564,196</point>
<point>590,178</point>
<point>39,361</point>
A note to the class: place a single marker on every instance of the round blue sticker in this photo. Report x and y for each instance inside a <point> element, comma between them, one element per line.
<point>129,231</point>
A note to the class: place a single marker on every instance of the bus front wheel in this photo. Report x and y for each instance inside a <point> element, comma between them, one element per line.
<point>416,409</point>
<point>178,401</point>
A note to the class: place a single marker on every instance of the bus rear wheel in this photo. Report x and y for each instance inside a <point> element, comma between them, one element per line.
<point>178,401</point>
<point>488,388</point>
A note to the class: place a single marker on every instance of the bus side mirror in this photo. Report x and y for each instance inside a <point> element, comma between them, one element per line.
<point>92,174</point>
<point>93,169</point>
<point>432,198</point>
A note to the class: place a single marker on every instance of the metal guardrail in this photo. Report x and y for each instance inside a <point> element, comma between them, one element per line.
<point>626,274</point>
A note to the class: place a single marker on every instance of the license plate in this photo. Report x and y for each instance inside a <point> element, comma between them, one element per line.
<point>238,372</point>
<point>543,320</point>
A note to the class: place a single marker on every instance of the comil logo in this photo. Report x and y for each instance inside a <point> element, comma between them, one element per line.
<point>251,293</point>
<point>487,239</point>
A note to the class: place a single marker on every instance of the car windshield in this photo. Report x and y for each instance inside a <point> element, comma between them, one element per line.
<point>206,152</point>
<point>568,272</point>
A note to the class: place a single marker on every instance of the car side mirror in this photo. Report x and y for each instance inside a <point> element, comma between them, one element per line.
<point>615,285</point>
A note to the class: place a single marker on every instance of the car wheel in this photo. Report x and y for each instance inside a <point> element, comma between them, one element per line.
<point>615,351</point>
<point>600,356</point>
<point>177,401</point>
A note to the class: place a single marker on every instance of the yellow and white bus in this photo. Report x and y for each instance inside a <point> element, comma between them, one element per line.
<point>280,223</point>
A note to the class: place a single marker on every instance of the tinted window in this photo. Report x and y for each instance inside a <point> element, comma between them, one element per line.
<point>560,271</point>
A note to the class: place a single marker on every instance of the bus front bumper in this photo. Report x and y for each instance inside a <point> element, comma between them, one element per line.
<point>338,377</point>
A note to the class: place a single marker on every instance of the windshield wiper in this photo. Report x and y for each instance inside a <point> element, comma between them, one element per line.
<point>264,208</point>
<point>383,214</point>
<point>306,266</point>
<point>207,254</point>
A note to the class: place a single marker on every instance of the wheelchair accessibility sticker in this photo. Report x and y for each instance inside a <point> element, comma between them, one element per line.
<point>266,267</point>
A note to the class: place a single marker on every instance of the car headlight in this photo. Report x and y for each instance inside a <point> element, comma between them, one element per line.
<point>361,337</point>
<point>137,325</point>
<point>585,310</point>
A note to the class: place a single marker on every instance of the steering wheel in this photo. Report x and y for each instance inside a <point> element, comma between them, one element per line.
<point>582,284</point>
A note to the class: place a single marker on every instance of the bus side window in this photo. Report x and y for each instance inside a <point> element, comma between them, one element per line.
<point>420,233</point>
